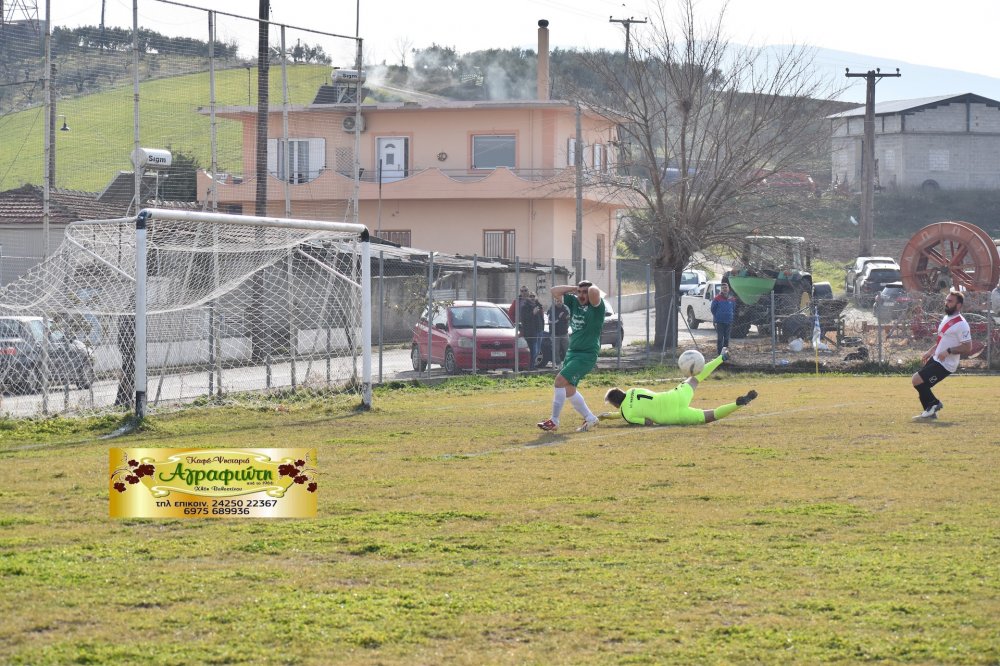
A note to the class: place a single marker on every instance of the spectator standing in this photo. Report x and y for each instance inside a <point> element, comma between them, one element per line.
<point>512,310</point>
<point>530,311</point>
<point>559,321</point>
<point>723,311</point>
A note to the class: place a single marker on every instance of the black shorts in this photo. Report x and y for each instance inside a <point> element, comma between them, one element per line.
<point>933,372</point>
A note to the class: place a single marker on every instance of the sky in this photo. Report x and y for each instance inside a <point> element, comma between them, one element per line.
<point>955,36</point>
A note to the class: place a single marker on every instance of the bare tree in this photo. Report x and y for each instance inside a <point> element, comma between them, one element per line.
<point>701,123</point>
<point>403,47</point>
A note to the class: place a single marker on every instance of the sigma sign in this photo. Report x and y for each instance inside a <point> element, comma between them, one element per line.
<point>151,157</point>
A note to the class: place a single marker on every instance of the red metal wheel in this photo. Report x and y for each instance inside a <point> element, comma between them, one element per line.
<point>950,254</point>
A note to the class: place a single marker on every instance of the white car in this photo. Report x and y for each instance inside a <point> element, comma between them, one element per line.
<point>855,270</point>
<point>691,280</point>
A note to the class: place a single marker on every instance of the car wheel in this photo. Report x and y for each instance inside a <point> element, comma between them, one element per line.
<point>795,326</point>
<point>418,363</point>
<point>32,381</point>
<point>86,378</point>
<point>692,320</point>
<point>450,364</point>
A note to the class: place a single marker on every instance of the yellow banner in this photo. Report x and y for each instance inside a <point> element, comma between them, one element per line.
<point>212,483</point>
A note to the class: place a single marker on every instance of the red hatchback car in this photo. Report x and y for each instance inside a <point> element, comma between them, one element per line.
<point>452,343</point>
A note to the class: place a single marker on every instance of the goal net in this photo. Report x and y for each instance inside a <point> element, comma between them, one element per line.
<point>225,304</point>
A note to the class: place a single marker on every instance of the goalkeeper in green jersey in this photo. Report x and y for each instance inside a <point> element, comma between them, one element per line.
<point>644,407</point>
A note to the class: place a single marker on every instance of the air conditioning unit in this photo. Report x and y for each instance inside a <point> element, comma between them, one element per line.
<point>347,124</point>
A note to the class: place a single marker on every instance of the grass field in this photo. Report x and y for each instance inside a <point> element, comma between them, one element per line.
<point>818,525</point>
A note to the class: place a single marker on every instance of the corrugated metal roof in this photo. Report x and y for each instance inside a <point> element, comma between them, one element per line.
<point>904,105</point>
<point>25,205</point>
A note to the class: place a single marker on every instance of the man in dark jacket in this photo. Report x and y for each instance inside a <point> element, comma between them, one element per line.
<point>723,311</point>
<point>532,325</point>
<point>559,320</point>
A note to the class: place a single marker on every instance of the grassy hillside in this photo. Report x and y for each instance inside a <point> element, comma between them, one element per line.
<point>100,139</point>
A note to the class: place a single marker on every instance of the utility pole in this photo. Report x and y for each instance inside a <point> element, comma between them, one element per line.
<point>866,243</point>
<point>628,39</point>
<point>578,162</point>
<point>628,24</point>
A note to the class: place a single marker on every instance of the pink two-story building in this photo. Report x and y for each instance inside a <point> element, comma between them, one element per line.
<point>496,179</point>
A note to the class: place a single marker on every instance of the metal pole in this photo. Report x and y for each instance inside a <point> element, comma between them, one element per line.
<point>140,315</point>
<point>366,321</point>
<point>381,309</point>
<point>649,278</point>
<point>621,338</point>
<point>517,313</point>
<point>552,311</point>
<point>774,341</point>
<point>475,310</point>
<point>430,308</point>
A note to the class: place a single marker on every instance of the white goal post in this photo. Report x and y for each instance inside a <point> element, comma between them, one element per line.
<point>336,251</point>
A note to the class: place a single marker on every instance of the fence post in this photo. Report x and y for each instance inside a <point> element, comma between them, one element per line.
<point>430,308</point>
<point>140,315</point>
<point>649,278</point>
<point>552,310</point>
<point>517,314</point>
<point>774,338</point>
<point>621,327</point>
<point>381,306</point>
<point>475,312</point>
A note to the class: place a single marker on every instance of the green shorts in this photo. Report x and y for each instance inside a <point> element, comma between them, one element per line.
<point>576,365</point>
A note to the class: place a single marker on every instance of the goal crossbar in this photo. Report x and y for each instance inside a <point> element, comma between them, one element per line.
<point>150,214</point>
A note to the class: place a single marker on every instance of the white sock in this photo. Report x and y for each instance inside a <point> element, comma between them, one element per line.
<point>580,405</point>
<point>558,399</point>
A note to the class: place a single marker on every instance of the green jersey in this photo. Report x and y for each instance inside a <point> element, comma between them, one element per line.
<point>586,322</point>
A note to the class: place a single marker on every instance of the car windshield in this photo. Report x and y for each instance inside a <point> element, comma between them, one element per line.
<point>689,277</point>
<point>486,317</point>
<point>884,275</point>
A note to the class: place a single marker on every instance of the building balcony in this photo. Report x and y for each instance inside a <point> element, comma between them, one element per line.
<point>425,183</point>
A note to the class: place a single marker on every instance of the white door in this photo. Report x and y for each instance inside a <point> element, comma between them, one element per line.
<point>393,154</point>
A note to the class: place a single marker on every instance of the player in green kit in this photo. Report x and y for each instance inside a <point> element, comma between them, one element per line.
<point>586,317</point>
<point>644,407</point>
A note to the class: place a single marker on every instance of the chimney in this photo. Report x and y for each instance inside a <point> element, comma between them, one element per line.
<point>543,59</point>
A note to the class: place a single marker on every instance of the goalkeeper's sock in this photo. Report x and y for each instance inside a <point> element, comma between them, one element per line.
<point>725,410</point>
<point>709,367</point>
<point>580,405</point>
<point>558,399</point>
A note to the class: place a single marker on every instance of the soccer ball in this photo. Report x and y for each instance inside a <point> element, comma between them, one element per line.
<point>691,362</point>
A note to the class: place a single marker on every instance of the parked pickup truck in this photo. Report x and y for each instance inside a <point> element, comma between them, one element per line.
<point>697,306</point>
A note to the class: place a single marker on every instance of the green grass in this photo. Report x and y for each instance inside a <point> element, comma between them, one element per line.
<point>100,140</point>
<point>818,525</point>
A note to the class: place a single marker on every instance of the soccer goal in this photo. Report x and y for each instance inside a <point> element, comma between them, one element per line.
<point>172,306</point>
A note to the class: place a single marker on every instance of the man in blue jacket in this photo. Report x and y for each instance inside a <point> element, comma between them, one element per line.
<point>723,310</point>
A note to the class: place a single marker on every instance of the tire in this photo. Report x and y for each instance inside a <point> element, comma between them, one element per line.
<point>619,338</point>
<point>693,322</point>
<point>32,382</point>
<point>86,378</point>
<point>450,364</point>
<point>796,326</point>
<point>418,363</point>
<point>740,329</point>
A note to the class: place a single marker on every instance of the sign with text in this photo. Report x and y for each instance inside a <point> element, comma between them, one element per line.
<point>212,483</point>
